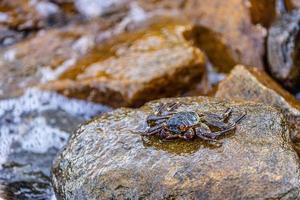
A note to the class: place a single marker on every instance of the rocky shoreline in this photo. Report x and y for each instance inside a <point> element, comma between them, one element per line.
<point>83,81</point>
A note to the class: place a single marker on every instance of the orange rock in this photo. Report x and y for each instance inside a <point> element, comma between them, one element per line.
<point>135,67</point>
<point>264,11</point>
<point>292,4</point>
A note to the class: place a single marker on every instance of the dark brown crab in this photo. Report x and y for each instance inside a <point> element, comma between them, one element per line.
<point>168,124</point>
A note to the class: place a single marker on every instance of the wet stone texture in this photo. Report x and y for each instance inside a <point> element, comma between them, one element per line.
<point>283,50</point>
<point>255,85</point>
<point>226,40</point>
<point>135,67</point>
<point>107,158</point>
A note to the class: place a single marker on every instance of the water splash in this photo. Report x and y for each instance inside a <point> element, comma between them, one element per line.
<point>33,128</point>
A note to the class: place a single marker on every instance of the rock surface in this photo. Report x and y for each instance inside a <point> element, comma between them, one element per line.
<point>44,57</point>
<point>107,158</point>
<point>22,17</point>
<point>136,67</point>
<point>264,12</point>
<point>292,4</point>
<point>283,50</point>
<point>255,85</point>
<point>226,31</point>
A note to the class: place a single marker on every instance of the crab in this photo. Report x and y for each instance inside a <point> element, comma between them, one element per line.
<point>169,124</point>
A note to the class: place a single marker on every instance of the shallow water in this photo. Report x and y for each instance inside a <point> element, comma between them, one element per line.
<point>33,128</point>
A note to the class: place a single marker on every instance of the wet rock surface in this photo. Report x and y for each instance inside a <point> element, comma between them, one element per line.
<point>107,158</point>
<point>283,50</point>
<point>45,55</point>
<point>70,42</point>
<point>226,40</point>
<point>33,128</point>
<point>255,85</point>
<point>135,67</point>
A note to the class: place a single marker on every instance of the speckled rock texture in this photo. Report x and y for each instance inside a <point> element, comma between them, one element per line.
<point>255,85</point>
<point>107,159</point>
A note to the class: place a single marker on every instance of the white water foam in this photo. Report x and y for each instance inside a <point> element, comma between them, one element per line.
<point>22,120</point>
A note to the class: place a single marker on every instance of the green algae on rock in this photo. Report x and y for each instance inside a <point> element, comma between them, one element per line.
<point>135,67</point>
<point>255,85</point>
<point>107,158</point>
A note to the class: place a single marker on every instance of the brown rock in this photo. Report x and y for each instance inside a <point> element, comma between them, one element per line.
<point>107,158</point>
<point>44,56</point>
<point>264,12</point>
<point>136,67</point>
<point>292,4</point>
<point>226,32</point>
<point>255,85</point>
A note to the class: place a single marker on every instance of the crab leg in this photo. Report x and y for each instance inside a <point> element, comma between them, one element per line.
<point>240,118</point>
<point>153,130</point>
<point>216,134</point>
<point>174,106</point>
<point>202,134</point>
<point>167,107</point>
<point>155,118</point>
<point>217,118</point>
<point>163,107</point>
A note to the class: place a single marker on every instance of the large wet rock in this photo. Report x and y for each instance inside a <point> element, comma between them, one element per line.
<point>136,67</point>
<point>255,85</point>
<point>107,158</point>
<point>226,31</point>
<point>283,50</point>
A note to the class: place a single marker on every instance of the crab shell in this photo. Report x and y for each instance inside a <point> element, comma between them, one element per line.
<point>182,121</point>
